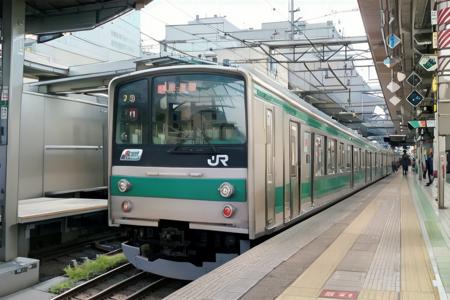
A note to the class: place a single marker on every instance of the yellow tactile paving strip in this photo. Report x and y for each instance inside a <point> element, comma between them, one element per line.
<point>416,271</point>
<point>310,283</point>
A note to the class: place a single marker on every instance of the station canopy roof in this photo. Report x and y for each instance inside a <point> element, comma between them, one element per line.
<point>46,17</point>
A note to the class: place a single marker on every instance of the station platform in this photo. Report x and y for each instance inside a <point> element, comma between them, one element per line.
<point>389,241</point>
<point>41,209</point>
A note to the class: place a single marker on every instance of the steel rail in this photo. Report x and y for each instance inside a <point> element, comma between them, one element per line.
<point>75,290</point>
<point>139,293</point>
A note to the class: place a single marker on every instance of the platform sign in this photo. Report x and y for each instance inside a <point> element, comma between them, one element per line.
<point>413,79</point>
<point>414,98</point>
<point>434,17</point>
<point>393,41</point>
<point>429,62</point>
<point>417,124</point>
<point>422,124</point>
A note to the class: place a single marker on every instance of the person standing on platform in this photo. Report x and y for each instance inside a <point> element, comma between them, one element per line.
<point>429,164</point>
<point>424,167</point>
<point>405,162</point>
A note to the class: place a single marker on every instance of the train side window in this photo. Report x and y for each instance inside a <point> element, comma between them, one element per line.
<point>331,156</point>
<point>341,158</point>
<point>356,158</point>
<point>360,158</point>
<point>307,146</point>
<point>363,158</point>
<point>319,155</point>
<point>349,158</point>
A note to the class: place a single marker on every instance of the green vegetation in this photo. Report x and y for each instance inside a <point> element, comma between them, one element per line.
<point>87,270</point>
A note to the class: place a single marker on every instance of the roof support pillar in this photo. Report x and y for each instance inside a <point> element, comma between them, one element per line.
<point>13,27</point>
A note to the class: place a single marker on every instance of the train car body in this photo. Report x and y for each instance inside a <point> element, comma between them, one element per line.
<point>205,159</point>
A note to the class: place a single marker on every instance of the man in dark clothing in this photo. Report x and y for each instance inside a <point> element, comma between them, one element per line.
<point>405,163</point>
<point>429,164</point>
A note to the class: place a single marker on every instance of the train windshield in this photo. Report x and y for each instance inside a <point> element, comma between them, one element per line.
<point>198,109</point>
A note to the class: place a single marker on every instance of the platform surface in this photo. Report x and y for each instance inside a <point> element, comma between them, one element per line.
<point>385,242</point>
<point>39,209</point>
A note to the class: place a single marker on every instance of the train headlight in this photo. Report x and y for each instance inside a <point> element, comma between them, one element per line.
<point>123,185</point>
<point>127,206</point>
<point>226,190</point>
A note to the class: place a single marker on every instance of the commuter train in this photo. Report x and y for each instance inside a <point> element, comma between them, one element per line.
<point>204,160</point>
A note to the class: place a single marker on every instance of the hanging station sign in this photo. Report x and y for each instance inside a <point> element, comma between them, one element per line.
<point>422,124</point>
<point>393,87</point>
<point>390,62</point>
<point>401,76</point>
<point>394,100</point>
<point>434,17</point>
<point>429,62</point>
<point>393,41</point>
<point>413,79</point>
<point>414,98</point>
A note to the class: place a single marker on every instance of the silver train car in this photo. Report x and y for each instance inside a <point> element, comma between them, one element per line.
<point>204,160</point>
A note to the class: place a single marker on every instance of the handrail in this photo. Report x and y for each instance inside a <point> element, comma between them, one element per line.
<point>72,147</point>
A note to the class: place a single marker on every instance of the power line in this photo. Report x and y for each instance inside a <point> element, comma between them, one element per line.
<point>179,29</point>
<point>156,40</point>
<point>102,46</point>
<point>217,30</point>
<point>246,43</point>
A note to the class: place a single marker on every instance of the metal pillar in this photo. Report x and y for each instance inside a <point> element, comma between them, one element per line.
<point>441,170</point>
<point>13,31</point>
<point>443,107</point>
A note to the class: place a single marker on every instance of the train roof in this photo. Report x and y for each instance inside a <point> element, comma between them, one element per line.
<point>267,81</point>
<point>259,76</point>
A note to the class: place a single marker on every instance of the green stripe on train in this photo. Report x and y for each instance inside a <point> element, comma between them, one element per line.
<point>279,199</point>
<point>180,188</point>
<point>265,95</point>
<point>305,193</point>
<point>360,176</point>
<point>325,186</point>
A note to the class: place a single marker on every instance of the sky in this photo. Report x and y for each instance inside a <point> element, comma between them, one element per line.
<point>250,13</point>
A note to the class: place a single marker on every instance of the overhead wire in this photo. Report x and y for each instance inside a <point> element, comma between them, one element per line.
<point>185,31</point>
<point>248,44</point>
<point>158,41</point>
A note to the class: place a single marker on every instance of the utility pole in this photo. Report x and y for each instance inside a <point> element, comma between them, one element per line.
<point>292,12</point>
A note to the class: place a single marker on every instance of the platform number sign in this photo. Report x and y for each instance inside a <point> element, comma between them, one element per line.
<point>414,98</point>
<point>413,79</point>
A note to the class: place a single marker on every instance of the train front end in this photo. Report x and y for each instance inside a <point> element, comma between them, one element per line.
<point>178,168</point>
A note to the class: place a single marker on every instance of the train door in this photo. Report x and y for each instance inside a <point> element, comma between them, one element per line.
<point>319,166</point>
<point>366,167</point>
<point>306,171</point>
<point>376,165</point>
<point>292,208</point>
<point>370,166</point>
<point>270,168</point>
<point>350,164</point>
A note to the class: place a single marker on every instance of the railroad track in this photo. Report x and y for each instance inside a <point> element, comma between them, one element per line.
<point>122,283</point>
